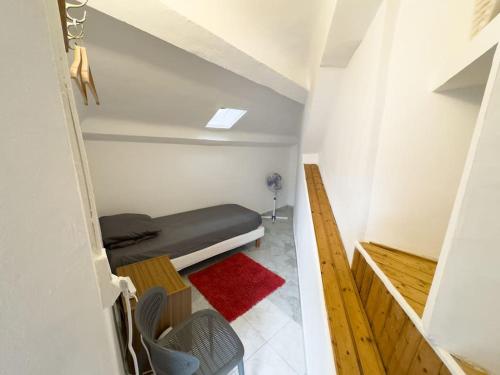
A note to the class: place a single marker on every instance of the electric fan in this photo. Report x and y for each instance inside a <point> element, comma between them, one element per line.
<point>275,184</point>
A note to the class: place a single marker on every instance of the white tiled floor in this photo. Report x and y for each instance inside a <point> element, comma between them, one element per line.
<point>251,339</point>
<point>271,331</point>
<point>266,362</point>
<point>288,344</point>
<point>266,318</point>
<point>273,341</point>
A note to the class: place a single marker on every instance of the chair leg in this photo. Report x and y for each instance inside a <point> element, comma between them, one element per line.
<point>257,242</point>
<point>241,368</point>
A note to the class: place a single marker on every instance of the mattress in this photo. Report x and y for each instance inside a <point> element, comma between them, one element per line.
<point>188,232</point>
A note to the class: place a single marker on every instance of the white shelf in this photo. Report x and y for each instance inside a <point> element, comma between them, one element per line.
<point>470,66</point>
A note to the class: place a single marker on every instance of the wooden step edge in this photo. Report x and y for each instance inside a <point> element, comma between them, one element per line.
<point>405,252</point>
<point>470,369</point>
<point>454,365</point>
<point>334,260</point>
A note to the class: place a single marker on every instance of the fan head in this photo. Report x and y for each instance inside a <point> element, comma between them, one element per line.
<point>274,182</point>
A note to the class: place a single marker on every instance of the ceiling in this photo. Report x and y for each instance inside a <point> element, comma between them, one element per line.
<point>143,79</point>
<point>350,22</point>
<point>280,33</point>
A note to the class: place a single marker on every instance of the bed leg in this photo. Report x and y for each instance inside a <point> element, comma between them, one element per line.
<point>257,242</point>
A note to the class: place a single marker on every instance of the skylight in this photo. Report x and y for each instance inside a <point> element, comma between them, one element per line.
<point>225,118</point>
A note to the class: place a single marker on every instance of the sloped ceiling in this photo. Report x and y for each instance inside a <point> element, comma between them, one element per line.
<point>276,43</point>
<point>280,33</point>
<point>350,22</point>
<point>143,79</point>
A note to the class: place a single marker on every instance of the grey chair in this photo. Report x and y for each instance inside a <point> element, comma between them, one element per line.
<point>203,344</point>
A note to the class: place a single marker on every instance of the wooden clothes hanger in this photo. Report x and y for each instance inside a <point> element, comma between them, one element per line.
<point>80,72</point>
<point>80,69</point>
<point>75,73</point>
<point>86,74</point>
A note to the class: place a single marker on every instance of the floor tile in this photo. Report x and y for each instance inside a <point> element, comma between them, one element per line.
<point>267,362</point>
<point>251,339</point>
<point>288,343</point>
<point>266,318</point>
<point>200,304</point>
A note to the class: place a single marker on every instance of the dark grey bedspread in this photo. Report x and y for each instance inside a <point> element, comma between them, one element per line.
<point>188,232</point>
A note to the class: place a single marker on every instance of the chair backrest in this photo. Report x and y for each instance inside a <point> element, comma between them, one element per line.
<point>147,317</point>
<point>171,362</point>
<point>148,312</point>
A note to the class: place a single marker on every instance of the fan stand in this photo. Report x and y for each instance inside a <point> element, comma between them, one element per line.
<point>273,217</point>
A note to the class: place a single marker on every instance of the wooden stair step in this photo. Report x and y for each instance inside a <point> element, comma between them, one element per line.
<point>402,347</point>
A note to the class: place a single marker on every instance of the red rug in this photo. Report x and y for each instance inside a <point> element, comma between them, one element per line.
<point>236,284</point>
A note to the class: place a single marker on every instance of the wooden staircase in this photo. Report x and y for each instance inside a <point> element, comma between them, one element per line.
<point>371,332</point>
<point>403,348</point>
<point>411,275</point>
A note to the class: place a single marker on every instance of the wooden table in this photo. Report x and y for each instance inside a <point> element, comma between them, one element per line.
<point>159,272</point>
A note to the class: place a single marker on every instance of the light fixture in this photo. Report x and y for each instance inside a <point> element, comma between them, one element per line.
<point>225,118</point>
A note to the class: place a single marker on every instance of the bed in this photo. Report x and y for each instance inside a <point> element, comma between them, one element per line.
<point>189,237</point>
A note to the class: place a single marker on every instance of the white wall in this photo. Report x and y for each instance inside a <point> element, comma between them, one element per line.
<point>317,340</point>
<point>291,183</point>
<point>349,144</point>
<point>424,136</point>
<point>392,150</point>
<point>462,310</point>
<point>318,109</point>
<point>51,317</point>
<point>161,179</point>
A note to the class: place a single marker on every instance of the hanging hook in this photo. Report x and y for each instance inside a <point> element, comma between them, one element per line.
<point>75,26</point>
<point>75,31</point>
<point>77,20</point>
<point>76,6</point>
<point>81,4</point>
